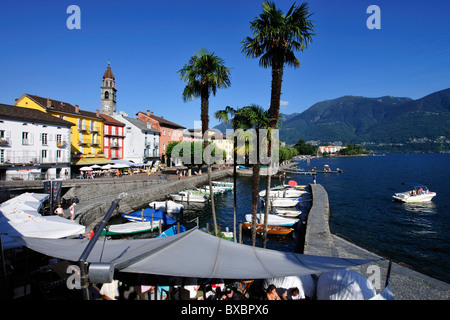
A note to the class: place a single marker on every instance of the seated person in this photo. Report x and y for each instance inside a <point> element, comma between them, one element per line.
<point>230,294</point>
<point>271,293</point>
<point>291,294</point>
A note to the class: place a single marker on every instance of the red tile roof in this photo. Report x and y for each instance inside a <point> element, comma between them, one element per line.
<point>31,115</point>
<point>59,106</point>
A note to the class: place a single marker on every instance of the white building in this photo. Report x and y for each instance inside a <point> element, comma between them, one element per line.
<point>141,143</point>
<point>33,145</point>
<point>329,149</point>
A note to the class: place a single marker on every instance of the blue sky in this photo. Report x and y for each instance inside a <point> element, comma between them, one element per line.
<point>147,42</point>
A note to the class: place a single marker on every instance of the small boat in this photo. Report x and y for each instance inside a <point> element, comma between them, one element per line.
<point>132,227</point>
<point>172,231</point>
<point>272,220</point>
<point>286,213</point>
<point>283,192</point>
<point>418,193</point>
<point>223,184</point>
<point>271,230</point>
<point>148,214</point>
<point>168,206</point>
<point>189,196</point>
<point>283,202</point>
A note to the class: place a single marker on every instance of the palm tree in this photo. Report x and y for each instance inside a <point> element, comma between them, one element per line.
<point>257,118</point>
<point>275,38</point>
<point>204,74</point>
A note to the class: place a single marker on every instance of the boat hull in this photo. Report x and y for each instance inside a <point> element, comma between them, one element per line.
<point>130,228</point>
<point>407,198</point>
<point>271,230</point>
<point>188,198</point>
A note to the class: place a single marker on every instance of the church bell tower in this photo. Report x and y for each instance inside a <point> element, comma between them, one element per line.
<point>108,92</point>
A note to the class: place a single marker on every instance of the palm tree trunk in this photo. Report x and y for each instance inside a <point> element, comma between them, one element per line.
<point>234,184</point>
<point>274,111</point>
<point>255,178</point>
<point>205,124</point>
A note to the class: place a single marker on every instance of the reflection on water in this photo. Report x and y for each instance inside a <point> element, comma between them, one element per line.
<point>420,207</point>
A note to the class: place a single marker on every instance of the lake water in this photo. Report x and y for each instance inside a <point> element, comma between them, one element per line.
<point>362,209</point>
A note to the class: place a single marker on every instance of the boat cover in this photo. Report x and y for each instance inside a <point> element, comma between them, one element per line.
<point>148,213</point>
<point>193,253</point>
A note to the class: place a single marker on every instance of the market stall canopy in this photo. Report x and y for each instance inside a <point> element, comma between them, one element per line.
<point>193,253</point>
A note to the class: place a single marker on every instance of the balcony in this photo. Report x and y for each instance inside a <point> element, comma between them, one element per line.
<point>94,128</point>
<point>82,143</point>
<point>61,144</point>
<point>4,142</point>
<point>82,128</point>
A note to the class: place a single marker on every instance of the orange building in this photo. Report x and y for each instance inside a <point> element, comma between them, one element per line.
<point>168,130</point>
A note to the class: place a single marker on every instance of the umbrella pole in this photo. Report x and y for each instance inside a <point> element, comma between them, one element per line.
<point>84,277</point>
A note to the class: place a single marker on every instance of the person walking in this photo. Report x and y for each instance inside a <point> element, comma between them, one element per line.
<point>72,210</point>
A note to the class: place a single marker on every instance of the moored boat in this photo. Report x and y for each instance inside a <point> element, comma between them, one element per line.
<point>271,230</point>
<point>283,192</point>
<point>148,214</point>
<point>273,220</point>
<point>189,196</point>
<point>132,227</point>
<point>283,202</point>
<point>287,213</point>
<point>168,206</point>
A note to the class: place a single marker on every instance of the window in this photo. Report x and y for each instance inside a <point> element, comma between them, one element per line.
<point>58,139</point>
<point>106,95</point>
<point>44,138</point>
<point>169,133</point>
<point>44,154</point>
<point>164,132</point>
<point>164,146</point>
<point>26,138</point>
<point>58,154</point>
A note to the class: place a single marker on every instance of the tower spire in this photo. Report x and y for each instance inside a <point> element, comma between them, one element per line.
<point>108,92</point>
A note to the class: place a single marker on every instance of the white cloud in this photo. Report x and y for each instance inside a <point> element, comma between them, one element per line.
<point>284,103</point>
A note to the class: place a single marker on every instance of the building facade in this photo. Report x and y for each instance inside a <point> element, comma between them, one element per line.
<point>113,137</point>
<point>168,131</point>
<point>86,134</point>
<point>33,145</point>
<point>141,142</point>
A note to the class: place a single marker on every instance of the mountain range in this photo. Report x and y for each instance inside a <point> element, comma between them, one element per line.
<point>379,124</point>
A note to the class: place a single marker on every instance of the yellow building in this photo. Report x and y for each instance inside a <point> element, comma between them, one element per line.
<point>86,137</point>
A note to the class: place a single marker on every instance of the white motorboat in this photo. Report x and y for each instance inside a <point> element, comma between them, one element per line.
<point>131,228</point>
<point>283,202</point>
<point>223,184</point>
<point>286,213</point>
<point>418,193</point>
<point>283,192</point>
<point>272,220</point>
<point>188,196</point>
<point>168,206</point>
